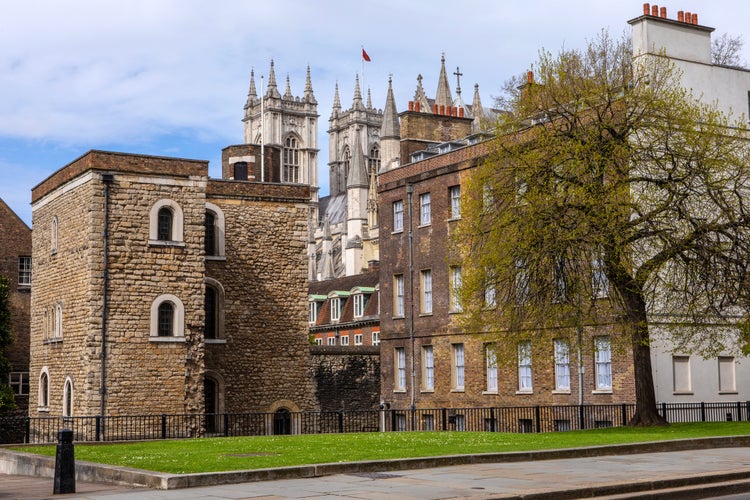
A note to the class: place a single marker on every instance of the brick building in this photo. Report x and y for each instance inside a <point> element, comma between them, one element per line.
<point>158,290</point>
<point>427,360</point>
<point>15,265</point>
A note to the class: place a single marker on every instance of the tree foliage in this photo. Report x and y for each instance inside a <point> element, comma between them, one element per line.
<point>608,179</point>
<point>6,337</point>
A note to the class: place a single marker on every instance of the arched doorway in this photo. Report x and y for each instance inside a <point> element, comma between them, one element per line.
<point>211,397</point>
<point>282,422</point>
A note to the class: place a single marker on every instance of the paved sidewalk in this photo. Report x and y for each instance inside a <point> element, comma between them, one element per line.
<point>500,480</point>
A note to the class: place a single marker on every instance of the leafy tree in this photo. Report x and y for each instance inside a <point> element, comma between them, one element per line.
<point>726,50</point>
<point>7,400</point>
<point>610,195</point>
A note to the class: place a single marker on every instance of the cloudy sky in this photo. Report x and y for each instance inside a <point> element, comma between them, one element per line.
<point>170,77</point>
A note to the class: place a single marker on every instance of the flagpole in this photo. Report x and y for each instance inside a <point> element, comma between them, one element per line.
<point>362,62</point>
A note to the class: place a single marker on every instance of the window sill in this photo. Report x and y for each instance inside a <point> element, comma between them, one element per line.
<point>457,311</point>
<point>216,341</point>
<point>561,391</point>
<point>457,389</point>
<point>164,243</point>
<point>398,317</point>
<point>218,258</point>
<point>399,391</point>
<point>427,391</point>
<point>397,231</point>
<point>425,314</point>
<point>602,391</point>
<point>424,225</point>
<point>55,340</point>
<point>24,288</point>
<point>489,393</point>
<point>453,219</point>
<point>728,392</point>
<point>43,409</point>
<point>167,340</point>
<point>53,251</point>
<point>525,392</point>
<point>683,393</point>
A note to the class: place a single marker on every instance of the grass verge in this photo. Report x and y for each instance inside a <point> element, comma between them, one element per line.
<point>239,453</point>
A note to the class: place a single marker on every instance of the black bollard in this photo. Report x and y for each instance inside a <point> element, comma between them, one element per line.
<point>65,464</point>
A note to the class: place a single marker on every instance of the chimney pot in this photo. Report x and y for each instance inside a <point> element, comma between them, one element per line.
<point>681,16</point>
<point>416,106</point>
<point>411,105</point>
<point>655,10</point>
<point>529,77</point>
<point>435,109</point>
<point>663,12</point>
<point>688,19</point>
<point>695,19</point>
<point>442,109</point>
<point>646,9</point>
<point>461,112</point>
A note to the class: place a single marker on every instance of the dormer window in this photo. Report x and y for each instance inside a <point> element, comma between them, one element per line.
<point>359,305</point>
<point>316,303</point>
<point>335,309</point>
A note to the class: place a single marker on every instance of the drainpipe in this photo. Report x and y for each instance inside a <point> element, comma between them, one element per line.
<point>108,179</point>
<point>409,192</point>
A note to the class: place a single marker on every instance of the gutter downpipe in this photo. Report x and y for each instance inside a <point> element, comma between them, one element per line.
<point>107,179</point>
<point>409,193</point>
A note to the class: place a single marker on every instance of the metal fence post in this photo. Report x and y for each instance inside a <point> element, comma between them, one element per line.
<point>27,430</point>
<point>163,426</point>
<point>703,411</point>
<point>341,421</point>
<point>445,418</point>
<point>581,418</point>
<point>226,424</point>
<point>624,415</point>
<point>538,418</point>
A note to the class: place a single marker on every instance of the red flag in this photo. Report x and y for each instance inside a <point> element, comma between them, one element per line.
<point>365,56</point>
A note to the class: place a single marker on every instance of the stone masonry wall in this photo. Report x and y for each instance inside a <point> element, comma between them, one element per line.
<point>264,362</point>
<point>347,378</point>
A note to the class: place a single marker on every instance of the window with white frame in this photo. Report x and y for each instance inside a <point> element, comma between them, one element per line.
<point>214,232</point>
<point>19,382</point>
<point>314,309</point>
<point>398,295</point>
<point>525,380</point>
<point>726,375</point>
<point>360,301</point>
<point>455,288</point>
<point>458,366</point>
<point>425,211</point>
<point>603,363</point>
<point>428,368</point>
<point>344,340</point>
<point>167,319</point>
<point>335,309</point>
<point>681,375</point>
<point>24,271</point>
<point>490,361</point>
<point>426,295</point>
<point>562,365</point>
<point>57,331</point>
<point>331,340</point>
<point>318,341</point>
<point>290,171</point>
<point>489,295</point>
<point>455,195</point>
<point>375,338</point>
<point>521,282</point>
<point>68,398</point>
<point>44,390</point>
<point>166,223</point>
<point>357,339</point>
<point>599,281</point>
<point>400,369</point>
<point>398,216</point>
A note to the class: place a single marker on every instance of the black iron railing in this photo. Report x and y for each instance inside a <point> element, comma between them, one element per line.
<point>494,419</point>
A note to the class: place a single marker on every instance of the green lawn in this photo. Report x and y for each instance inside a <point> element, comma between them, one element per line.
<point>223,454</point>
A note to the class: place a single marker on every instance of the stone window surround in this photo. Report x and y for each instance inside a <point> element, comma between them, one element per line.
<point>53,235</point>
<point>177,224</point>
<point>68,393</point>
<point>220,297</point>
<point>220,228</point>
<point>44,384</point>
<point>179,320</point>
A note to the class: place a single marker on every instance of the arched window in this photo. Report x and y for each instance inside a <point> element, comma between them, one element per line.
<point>373,161</point>
<point>44,390</point>
<point>209,330</point>
<point>213,329</point>
<point>165,223</point>
<point>68,398</point>
<point>53,235</point>
<point>291,160</point>
<point>164,229</point>
<point>57,327</point>
<point>345,169</point>
<point>167,319</point>
<point>214,229</point>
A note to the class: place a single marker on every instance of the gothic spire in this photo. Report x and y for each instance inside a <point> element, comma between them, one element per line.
<point>309,97</point>
<point>391,127</point>
<point>420,97</point>
<point>272,90</point>
<point>477,110</point>
<point>357,101</point>
<point>288,91</point>
<point>369,99</point>
<point>357,166</point>
<point>252,94</point>
<point>443,94</point>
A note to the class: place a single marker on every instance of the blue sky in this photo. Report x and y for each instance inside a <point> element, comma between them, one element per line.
<point>170,77</point>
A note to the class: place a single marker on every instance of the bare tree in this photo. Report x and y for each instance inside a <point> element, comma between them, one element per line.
<point>726,50</point>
